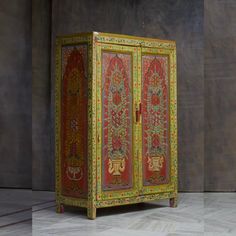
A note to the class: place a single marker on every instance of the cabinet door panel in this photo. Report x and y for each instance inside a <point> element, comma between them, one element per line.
<point>155,99</point>
<point>117,65</point>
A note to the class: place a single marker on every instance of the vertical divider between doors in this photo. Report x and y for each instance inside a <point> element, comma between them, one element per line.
<point>139,124</point>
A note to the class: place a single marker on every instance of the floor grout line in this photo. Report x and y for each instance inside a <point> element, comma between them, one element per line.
<point>43,208</point>
<point>18,222</point>
<point>16,212</point>
<point>25,210</point>
<point>37,204</point>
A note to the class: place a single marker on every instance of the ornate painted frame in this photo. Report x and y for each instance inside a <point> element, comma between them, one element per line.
<point>60,42</point>
<point>96,41</point>
<point>101,47</point>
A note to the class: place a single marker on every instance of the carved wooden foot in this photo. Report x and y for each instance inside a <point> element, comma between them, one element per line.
<point>91,213</point>
<point>60,208</point>
<point>173,202</point>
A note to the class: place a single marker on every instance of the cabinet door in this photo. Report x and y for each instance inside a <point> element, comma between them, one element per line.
<point>116,129</point>
<point>158,123</point>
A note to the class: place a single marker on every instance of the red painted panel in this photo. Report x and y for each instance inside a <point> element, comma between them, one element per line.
<point>155,120</point>
<point>74,121</point>
<point>117,170</point>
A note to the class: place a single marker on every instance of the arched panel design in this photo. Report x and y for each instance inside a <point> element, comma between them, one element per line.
<point>74,121</point>
<point>155,120</point>
<point>117,122</point>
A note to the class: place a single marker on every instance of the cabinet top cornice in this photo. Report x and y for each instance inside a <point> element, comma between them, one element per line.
<point>123,39</point>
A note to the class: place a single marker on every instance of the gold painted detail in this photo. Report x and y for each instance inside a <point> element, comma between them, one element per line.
<point>155,163</point>
<point>74,170</point>
<point>116,166</point>
<point>94,88</point>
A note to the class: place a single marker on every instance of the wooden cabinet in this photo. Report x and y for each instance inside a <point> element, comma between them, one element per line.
<point>115,120</point>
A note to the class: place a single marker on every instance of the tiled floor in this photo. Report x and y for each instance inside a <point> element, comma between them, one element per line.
<point>15,212</point>
<point>197,214</point>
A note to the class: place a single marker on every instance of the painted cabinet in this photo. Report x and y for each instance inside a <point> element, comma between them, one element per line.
<point>115,120</point>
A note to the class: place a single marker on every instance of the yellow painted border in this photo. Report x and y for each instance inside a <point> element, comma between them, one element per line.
<point>170,186</point>
<point>60,42</point>
<point>93,39</point>
<point>133,40</point>
<point>104,195</point>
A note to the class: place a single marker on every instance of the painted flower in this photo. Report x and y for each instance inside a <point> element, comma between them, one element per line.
<point>74,125</point>
<point>116,98</point>
<point>155,100</point>
<point>116,143</point>
<point>155,140</point>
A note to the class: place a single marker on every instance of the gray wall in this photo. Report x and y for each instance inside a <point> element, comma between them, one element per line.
<point>220,95</point>
<point>43,161</point>
<point>15,93</point>
<point>180,20</point>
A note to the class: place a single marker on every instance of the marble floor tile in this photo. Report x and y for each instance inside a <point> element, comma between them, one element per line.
<point>20,229</point>
<point>15,218</point>
<point>210,214</point>
<point>220,213</point>
<point>14,200</point>
<point>39,197</point>
<point>196,214</point>
<point>15,212</point>
<point>154,218</point>
<point>16,209</point>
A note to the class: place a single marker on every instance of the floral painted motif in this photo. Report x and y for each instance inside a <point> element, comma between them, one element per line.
<point>117,125</point>
<point>74,121</point>
<point>155,119</point>
<point>92,53</point>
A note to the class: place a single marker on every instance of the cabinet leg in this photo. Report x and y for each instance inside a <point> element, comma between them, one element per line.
<point>60,208</point>
<point>173,202</point>
<point>91,212</point>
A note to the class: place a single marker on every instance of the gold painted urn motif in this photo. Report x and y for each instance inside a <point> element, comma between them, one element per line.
<point>74,173</point>
<point>74,170</point>
<point>116,166</point>
<point>155,163</point>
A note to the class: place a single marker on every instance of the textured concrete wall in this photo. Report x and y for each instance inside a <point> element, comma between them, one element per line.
<point>180,20</point>
<point>220,95</point>
<point>43,161</point>
<point>15,93</point>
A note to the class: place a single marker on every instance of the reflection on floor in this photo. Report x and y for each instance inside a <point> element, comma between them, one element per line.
<point>196,214</point>
<point>16,210</point>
